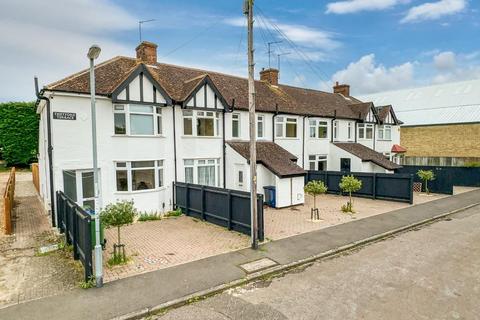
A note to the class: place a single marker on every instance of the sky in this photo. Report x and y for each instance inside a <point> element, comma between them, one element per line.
<point>372,45</point>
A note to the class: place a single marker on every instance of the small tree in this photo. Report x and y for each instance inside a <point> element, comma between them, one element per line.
<point>117,215</point>
<point>349,184</point>
<point>315,188</point>
<point>426,175</point>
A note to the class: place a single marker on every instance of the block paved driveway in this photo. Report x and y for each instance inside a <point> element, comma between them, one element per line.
<point>171,241</point>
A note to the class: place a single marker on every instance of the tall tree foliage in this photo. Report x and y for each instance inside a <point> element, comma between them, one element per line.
<point>18,132</point>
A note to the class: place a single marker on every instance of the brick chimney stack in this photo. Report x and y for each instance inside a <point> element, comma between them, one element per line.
<point>147,52</point>
<point>269,75</point>
<point>343,89</point>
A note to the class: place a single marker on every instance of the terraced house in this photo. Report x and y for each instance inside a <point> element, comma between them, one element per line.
<point>160,123</point>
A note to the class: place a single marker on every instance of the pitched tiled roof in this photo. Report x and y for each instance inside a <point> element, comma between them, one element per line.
<point>383,112</point>
<point>178,81</point>
<point>367,154</point>
<point>272,156</point>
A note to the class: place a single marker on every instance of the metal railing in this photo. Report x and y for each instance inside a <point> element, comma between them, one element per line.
<point>76,223</point>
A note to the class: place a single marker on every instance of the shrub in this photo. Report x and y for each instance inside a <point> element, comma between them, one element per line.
<point>426,175</point>
<point>117,215</point>
<point>315,188</point>
<point>475,164</point>
<point>176,213</point>
<point>145,216</point>
<point>18,132</point>
<point>349,184</point>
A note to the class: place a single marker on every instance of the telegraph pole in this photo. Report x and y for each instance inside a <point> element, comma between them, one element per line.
<point>248,11</point>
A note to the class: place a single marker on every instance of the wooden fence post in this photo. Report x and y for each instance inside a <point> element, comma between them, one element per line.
<point>187,196</point>
<point>374,189</point>
<point>229,209</point>
<point>202,199</point>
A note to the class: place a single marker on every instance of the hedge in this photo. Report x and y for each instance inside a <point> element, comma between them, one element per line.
<point>18,132</point>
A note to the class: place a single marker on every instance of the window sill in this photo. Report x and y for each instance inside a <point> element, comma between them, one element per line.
<point>386,140</point>
<point>138,136</point>
<point>201,137</point>
<point>311,138</point>
<point>140,191</point>
<point>286,138</point>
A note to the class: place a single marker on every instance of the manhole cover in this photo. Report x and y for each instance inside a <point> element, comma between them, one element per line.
<point>258,265</point>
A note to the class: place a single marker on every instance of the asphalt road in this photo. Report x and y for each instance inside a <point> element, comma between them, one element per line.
<point>429,273</point>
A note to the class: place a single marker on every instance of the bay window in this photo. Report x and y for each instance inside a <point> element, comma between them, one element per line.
<point>202,171</point>
<point>202,123</point>
<point>365,131</point>
<point>385,132</point>
<point>285,127</point>
<point>139,175</point>
<point>137,120</point>
<point>318,129</point>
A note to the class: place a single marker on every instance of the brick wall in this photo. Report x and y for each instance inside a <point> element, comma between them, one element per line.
<point>460,140</point>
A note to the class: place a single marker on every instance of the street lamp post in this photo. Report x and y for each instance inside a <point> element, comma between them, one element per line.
<point>93,54</point>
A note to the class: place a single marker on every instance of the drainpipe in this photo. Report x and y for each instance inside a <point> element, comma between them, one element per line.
<point>49,151</point>
<point>331,125</point>
<point>174,141</point>
<point>224,150</point>
<point>273,122</point>
<point>303,143</point>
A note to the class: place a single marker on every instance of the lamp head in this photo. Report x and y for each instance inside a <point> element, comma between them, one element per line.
<point>94,52</point>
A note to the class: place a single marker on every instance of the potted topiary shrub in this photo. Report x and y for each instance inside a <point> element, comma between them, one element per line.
<point>117,215</point>
<point>426,175</point>
<point>315,188</point>
<point>349,184</point>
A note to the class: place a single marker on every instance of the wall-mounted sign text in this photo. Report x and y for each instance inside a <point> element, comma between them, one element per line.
<point>64,116</point>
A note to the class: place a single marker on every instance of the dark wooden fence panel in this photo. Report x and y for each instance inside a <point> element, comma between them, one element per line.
<point>223,207</point>
<point>75,222</point>
<point>394,187</point>
<point>446,177</point>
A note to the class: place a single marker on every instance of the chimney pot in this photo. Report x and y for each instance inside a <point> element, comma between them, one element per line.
<point>269,75</point>
<point>343,89</point>
<point>147,52</point>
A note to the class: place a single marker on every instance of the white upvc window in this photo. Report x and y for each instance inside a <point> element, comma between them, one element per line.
<point>139,175</point>
<point>317,162</point>
<point>200,123</point>
<point>385,132</point>
<point>236,125</point>
<point>335,129</point>
<point>285,127</point>
<point>260,127</point>
<point>350,131</point>
<point>365,131</point>
<point>137,120</point>
<point>202,171</point>
<point>318,129</point>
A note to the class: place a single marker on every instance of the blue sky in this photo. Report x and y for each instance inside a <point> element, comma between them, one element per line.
<point>373,45</point>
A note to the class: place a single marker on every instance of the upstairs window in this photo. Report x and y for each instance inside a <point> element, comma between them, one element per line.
<point>235,125</point>
<point>285,127</point>
<point>365,131</point>
<point>385,132</point>
<point>202,123</point>
<point>260,127</point>
<point>335,130</point>
<point>137,120</point>
<point>350,131</point>
<point>318,129</point>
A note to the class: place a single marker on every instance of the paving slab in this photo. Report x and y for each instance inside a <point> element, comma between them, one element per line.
<point>154,288</point>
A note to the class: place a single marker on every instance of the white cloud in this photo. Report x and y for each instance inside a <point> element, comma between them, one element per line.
<point>367,76</point>
<point>434,10</point>
<point>450,66</point>
<point>299,34</point>
<point>445,61</point>
<point>352,6</point>
<point>51,38</point>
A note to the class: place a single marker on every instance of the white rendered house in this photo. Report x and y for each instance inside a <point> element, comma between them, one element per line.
<point>160,123</point>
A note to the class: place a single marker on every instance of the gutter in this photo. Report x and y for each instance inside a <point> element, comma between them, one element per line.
<point>40,96</point>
